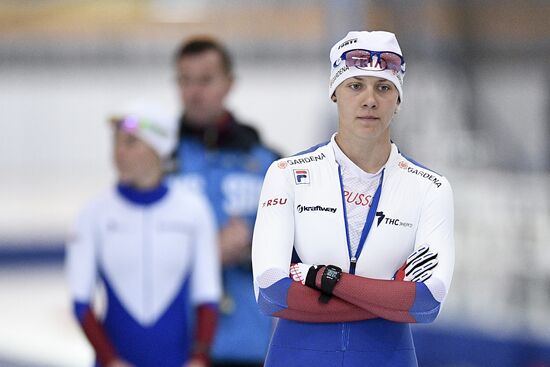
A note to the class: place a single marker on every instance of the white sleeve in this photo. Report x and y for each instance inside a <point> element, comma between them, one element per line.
<point>206,271</point>
<point>273,238</point>
<point>436,229</point>
<point>81,257</point>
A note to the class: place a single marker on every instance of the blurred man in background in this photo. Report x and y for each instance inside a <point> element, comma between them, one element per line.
<point>154,247</point>
<point>227,161</point>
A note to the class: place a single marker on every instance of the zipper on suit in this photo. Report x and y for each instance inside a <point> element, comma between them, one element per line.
<point>353,259</point>
<point>352,264</point>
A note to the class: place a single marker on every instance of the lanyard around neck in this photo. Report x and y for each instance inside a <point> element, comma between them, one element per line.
<point>366,227</point>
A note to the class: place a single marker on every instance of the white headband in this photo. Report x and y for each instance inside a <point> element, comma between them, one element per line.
<point>364,40</point>
<point>151,125</point>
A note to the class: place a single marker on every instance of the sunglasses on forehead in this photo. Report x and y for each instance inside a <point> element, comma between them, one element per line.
<point>373,60</point>
<point>132,124</point>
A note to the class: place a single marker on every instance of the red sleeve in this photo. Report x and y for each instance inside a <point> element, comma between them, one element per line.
<point>393,300</point>
<point>207,319</point>
<point>97,336</point>
<point>303,305</point>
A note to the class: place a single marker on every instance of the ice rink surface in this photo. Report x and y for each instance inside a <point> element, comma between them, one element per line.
<point>38,328</point>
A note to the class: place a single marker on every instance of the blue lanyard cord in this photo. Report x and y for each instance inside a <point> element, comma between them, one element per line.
<point>344,210</point>
<point>368,224</point>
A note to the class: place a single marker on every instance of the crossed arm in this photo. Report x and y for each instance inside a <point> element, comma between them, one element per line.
<point>413,299</point>
<point>354,298</point>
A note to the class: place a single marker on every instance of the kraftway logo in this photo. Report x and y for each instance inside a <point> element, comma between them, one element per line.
<point>393,221</point>
<point>317,208</point>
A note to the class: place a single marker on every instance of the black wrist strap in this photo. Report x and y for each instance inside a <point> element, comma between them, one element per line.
<point>312,276</point>
<point>324,298</point>
<point>331,276</point>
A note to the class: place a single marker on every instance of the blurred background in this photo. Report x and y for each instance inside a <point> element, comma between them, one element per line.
<point>476,108</point>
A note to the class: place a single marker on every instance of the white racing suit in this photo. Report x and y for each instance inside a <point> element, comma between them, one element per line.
<point>156,255</point>
<point>366,322</point>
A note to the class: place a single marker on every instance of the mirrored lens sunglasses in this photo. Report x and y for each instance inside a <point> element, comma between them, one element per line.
<point>131,124</point>
<point>373,60</point>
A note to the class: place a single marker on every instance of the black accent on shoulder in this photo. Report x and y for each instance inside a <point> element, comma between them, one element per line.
<point>228,134</point>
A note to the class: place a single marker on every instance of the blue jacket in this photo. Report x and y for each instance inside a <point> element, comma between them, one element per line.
<point>228,164</point>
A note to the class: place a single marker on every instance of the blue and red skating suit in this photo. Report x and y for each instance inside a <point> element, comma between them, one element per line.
<point>366,322</point>
<point>155,253</point>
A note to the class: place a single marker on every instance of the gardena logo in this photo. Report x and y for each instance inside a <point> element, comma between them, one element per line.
<point>282,164</point>
<point>338,73</point>
<point>307,159</point>
<point>404,165</point>
<point>317,208</point>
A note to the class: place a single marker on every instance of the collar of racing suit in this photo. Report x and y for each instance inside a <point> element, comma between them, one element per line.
<point>390,167</point>
<point>142,197</point>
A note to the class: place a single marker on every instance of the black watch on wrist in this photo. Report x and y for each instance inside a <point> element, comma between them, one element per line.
<point>330,277</point>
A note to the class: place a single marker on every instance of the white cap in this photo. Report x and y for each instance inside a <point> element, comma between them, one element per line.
<point>364,40</point>
<point>150,124</point>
